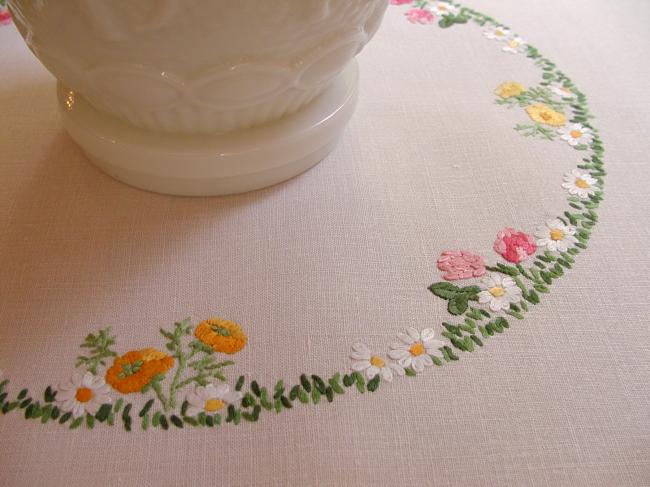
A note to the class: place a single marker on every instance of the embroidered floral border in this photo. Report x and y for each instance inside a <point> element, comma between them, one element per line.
<point>186,385</point>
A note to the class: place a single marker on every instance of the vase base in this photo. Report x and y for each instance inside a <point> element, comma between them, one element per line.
<point>210,165</point>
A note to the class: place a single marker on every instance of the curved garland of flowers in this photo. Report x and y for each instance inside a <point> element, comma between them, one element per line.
<point>556,110</point>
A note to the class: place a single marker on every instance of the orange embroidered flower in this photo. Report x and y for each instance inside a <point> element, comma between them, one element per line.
<point>543,114</point>
<point>134,370</point>
<point>222,335</point>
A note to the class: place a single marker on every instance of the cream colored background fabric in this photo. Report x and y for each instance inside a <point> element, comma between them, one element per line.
<point>345,253</point>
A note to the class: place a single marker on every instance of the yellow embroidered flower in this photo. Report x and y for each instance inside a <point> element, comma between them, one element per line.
<point>222,335</point>
<point>546,115</point>
<point>134,370</point>
<point>509,89</point>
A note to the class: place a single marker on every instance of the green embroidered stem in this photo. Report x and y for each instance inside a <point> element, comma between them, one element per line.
<point>176,382</point>
<point>159,394</point>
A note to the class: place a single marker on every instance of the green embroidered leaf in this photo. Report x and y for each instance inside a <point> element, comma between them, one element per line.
<point>187,420</point>
<point>255,387</point>
<point>90,421</point>
<point>240,383</point>
<point>303,397</point>
<point>319,384</point>
<point>305,383</point>
<point>103,412</point>
<point>450,353</point>
<point>118,405</point>
<point>501,322</point>
<point>49,394</point>
<point>410,372</point>
<point>315,396</point>
<point>453,329</point>
<point>458,304</point>
<point>471,291</point>
<point>76,423</point>
<point>293,394</point>
<point>359,381</point>
<point>541,288</point>
<point>335,385</point>
<point>65,418</point>
<point>176,421</point>
<point>146,408</point>
<point>248,400</point>
<point>444,290</point>
<point>373,384</point>
<point>329,393</point>
<point>231,413</point>
<point>99,346</point>
<point>286,402</point>
<point>46,413</point>
<point>22,394</point>
<point>126,411</point>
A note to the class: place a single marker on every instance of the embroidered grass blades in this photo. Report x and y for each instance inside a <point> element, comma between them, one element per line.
<point>186,385</point>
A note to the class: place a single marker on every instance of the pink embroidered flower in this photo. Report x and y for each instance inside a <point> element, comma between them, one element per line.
<point>401,2</point>
<point>460,264</point>
<point>420,16</point>
<point>514,246</point>
<point>5,16</point>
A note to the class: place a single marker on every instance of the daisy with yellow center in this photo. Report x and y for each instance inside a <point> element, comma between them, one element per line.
<point>498,33</point>
<point>576,135</point>
<point>499,292</point>
<point>414,349</point>
<point>443,8</point>
<point>543,114</point>
<point>363,360</point>
<point>515,45</point>
<point>83,394</point>
<point>509,89</point>
<point>211,399</point>
<point>556,236</point>
<point>580,183</point>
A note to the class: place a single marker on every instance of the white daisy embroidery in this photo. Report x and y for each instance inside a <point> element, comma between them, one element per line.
<point>210,399</point>
<point>83,394</point>
<point>576,134</point>
<point>443,8</point>
<point>414,349</point>
<point>372,365</point>
<point>556,236</point>
<point>515,45</point>
<point>560,90</point>
<point>579,183</point>
<point>498,33</point>
<point>499,292</point>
